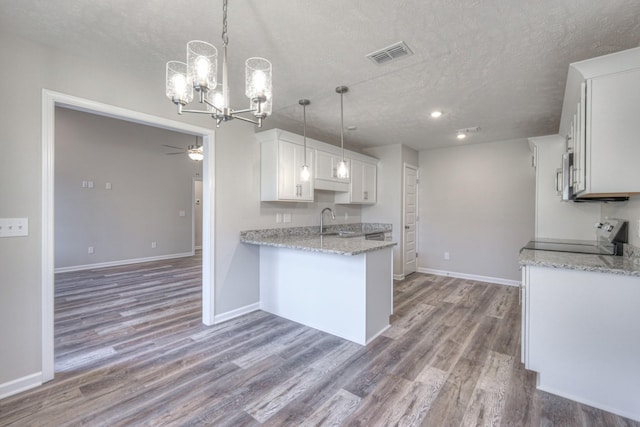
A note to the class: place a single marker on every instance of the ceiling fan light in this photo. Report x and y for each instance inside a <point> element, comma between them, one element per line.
<point>195,153</point>
<point>202,65</point>
<point>178,89</point>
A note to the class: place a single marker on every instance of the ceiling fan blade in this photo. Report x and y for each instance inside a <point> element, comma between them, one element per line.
<point>171,146</point>
<point>170,154</point>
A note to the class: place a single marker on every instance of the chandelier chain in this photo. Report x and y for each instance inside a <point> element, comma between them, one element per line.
<point>225,37</point>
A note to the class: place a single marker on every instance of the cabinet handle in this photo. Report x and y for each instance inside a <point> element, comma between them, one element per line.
<point>366,195</point>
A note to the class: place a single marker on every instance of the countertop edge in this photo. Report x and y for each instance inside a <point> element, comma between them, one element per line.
<point>382,245</point>
<point>579,262</point>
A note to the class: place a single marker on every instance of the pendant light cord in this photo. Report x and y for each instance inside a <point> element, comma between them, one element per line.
<point>342,125</point>
<point>304,131</point>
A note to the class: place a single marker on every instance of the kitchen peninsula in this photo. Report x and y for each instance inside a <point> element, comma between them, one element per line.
<point>340,284</point>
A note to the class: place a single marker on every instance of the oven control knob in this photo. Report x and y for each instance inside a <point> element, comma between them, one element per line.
<point>609,227</point>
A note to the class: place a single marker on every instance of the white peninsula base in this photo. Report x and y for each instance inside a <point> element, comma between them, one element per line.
<point>347,296</point>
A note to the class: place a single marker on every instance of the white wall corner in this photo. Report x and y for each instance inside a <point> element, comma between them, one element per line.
<point>223,317</point>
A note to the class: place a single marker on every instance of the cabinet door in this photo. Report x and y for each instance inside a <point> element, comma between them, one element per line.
<point>612,133</point>
<point>327,166</point>
<point>579,147</point>
<point>369,177</point>
<point>357,181</point>
<point>290,160</point>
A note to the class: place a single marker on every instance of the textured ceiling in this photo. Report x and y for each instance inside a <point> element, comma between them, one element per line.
<point>497,64</point>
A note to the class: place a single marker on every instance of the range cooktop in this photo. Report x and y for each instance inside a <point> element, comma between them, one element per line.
<point>574,246</point>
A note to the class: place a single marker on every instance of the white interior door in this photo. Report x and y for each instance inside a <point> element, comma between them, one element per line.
<point>409,219</point>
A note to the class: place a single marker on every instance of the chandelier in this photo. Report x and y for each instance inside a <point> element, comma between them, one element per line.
<point>199,73</point>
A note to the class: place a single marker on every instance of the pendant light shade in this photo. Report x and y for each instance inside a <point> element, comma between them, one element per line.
<point>343,169</point>
<point>305,173</point>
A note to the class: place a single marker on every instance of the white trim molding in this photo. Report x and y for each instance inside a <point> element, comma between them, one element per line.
<point>477,278</point>
<point>20,384</point>
<point>51,100</point>
<point>121,262</point>
<point>223,317</point>
<point>398,277</point>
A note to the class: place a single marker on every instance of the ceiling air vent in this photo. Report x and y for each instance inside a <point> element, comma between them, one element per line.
<point>390,53</point>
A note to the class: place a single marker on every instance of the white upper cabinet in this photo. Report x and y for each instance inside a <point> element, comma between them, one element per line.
<point>612,148</point>
<point>280,172</point>
<point>327,172</point>
<point>363,184</point>
<point>282,156</point>
<point>600,118</point>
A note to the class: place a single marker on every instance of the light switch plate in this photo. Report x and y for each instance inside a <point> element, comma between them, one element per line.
<point>14,227</point>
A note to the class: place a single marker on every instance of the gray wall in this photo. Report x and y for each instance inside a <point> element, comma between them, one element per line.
<point>388,208</point>
<point>477,203</point>
<point>148,190</point>
<point>236,184</point>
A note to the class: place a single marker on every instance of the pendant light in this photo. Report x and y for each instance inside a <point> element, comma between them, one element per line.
<point>305,174</point>
<point>343,170</point>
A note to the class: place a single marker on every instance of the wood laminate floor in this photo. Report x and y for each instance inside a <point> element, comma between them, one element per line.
<point>131,350</point>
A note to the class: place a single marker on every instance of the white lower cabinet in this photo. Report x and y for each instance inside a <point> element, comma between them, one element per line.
<point>280,172</point>
<point>581,334</point>
<point>363,184</point>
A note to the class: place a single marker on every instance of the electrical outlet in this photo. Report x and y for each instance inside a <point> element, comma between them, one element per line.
<point>278,218</point>
<point>182,213</point>
<point>447,256</point>
<point>90,184</point>
<point>90,250</point>
<point>107,186</point>
<point>154,245</point>
<point>286,217</point>
<point>346,215</point>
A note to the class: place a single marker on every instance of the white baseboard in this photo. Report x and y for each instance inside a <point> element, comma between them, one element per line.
<point>495,280</point>
<point>20,384</point>
<point>236,313</point>
<point>398,277</point>
<point>120,262</point>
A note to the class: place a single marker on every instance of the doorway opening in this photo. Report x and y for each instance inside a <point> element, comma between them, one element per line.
<point>51,100</point>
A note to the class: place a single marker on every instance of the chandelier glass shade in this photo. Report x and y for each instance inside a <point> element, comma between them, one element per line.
<point>199,74</point>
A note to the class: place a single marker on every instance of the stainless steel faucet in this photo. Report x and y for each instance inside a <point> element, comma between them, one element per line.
<point>333,217</point>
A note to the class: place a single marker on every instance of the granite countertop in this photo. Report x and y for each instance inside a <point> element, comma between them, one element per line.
<point>309,239</point>
<point>624,265</point>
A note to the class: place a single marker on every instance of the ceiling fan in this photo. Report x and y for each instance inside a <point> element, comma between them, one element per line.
<point>195,152</point>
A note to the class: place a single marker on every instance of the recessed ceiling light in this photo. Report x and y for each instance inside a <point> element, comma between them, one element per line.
<point>461,135</point>
<point>436,114</point>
